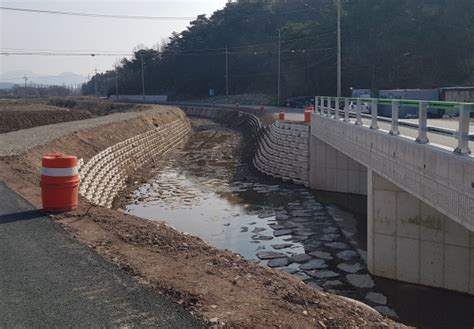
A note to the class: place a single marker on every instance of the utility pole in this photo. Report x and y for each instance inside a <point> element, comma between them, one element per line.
<point>26,92</point>
<point>226,72</point>
<point>95,84</point>
<point>338,48</point>
<point>116,84</point>
<point>143,79</point>
<point>279,63</point>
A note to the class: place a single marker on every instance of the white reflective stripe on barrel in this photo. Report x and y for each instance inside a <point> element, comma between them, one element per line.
<point>60,172</point>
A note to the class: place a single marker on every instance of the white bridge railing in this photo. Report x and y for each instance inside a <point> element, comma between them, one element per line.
<point>340,108</point>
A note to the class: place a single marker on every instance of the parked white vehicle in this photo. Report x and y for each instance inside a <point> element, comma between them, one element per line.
<point>365,107</point>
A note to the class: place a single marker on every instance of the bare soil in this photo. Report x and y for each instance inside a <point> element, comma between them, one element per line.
<point>16,116</point>
<point>221,287</point>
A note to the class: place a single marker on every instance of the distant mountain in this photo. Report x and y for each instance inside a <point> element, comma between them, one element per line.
<point>16,77</point>
<point>6,85</point>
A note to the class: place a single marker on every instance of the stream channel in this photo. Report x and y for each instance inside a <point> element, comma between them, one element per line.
<point>208,188</point>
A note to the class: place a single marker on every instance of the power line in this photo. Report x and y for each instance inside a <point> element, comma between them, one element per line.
<point>33,53</point>
<point>79,54</point>
<point>255,45</point>
<point>73,13</point>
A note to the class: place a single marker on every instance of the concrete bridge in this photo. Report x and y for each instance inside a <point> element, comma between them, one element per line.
<point>419,182</point>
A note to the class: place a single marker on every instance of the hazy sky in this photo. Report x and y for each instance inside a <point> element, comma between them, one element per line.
<point>20,30</point>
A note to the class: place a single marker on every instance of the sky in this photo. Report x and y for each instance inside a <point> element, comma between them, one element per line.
<point>20,30</point>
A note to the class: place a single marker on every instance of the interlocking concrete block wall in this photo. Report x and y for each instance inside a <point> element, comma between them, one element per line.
<point>229,117</point>
<point>105,174</point>
<point>283,152</point>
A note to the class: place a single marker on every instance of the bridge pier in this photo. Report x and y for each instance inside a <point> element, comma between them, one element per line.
<point>410,241</point>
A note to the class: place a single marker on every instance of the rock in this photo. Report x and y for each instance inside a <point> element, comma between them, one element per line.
<point>282,227</point>
<point>300,238</point>
<point>290,270</point>
<point>384,310</point>
<point>244,229</point>
<point>293,204</point>
<point>258,230</point>
<point>323,274</point>
<point>330,230</point>
<point>376,298</point>
<point>301,258</point>
<point>301,219</point>
<point>347,255</point>
<point>261,237</point>
<point>301,213</point>
<point>302,276</point>
<point>214,320</point>
<point>282,217</point>
<point>360,280</point>
<point>321,254</point>
<point>314,285</point>
<point>281,246</point>
<point>330,237</point>
<point>313,264</point>
<point>350,268</point>
<point>266,215</point>
<point>282,232</point>
<point>332,283</point>
<point>279,262</point>
<point>336,245</point>
<point>264,255</point>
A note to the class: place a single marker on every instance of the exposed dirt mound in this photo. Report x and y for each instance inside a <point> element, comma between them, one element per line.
<point>93,105</point>
<point>14,116</point>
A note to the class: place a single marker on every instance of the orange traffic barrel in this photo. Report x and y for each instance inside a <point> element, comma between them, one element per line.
<point>307,115</point>
<point>59,182</point>
<point>281,115</point>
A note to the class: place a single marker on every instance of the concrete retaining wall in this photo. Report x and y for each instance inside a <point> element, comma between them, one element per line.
<point>105,174</point>
<point>410,241</point>
<point>283,152</point>
<point>331,170</point>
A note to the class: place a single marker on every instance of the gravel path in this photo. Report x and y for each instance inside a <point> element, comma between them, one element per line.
<point>18,142</point>
<point>49,280</point>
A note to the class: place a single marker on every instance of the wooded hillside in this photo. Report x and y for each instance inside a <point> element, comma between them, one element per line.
<point>385,44</point>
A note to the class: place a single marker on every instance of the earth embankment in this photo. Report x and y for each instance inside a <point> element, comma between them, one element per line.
<point>221,287</point>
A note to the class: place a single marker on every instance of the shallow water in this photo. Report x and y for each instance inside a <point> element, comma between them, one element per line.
<point>318,237</point>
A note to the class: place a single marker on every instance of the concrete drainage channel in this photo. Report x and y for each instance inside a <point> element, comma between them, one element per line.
<point>284,226</point>
<point>290,229</point>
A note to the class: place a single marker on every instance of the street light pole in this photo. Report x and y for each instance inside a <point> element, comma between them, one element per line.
<point>143,78</point>
<point>279,63</point>
<point>338,48</point>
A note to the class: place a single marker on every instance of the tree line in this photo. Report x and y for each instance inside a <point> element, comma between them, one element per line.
<point>385,44</point>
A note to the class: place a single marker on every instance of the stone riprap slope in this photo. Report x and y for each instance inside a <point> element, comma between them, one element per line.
<point>106,173</point>
<point>283,152</point>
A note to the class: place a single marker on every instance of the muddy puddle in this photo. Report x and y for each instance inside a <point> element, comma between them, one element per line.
<point>207,189</point>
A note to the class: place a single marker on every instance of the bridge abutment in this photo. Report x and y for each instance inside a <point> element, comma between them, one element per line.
<point>333,171</point>
<point>410,241</point>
